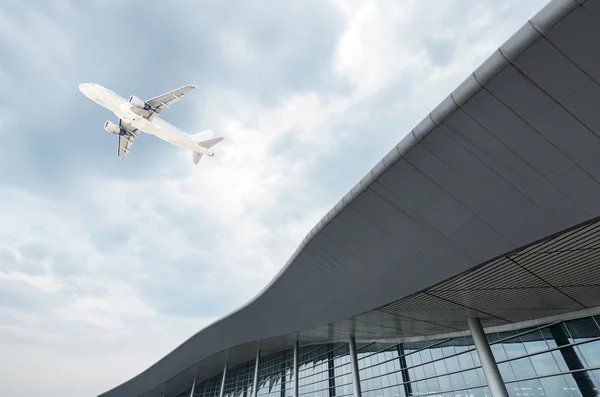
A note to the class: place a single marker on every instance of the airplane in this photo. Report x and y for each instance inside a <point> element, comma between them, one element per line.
<point>136,116</point>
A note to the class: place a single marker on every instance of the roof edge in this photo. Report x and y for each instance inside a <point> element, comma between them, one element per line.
<point>535,28</point>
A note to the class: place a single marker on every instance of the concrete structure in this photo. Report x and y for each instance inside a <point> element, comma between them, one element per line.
<point>488,209</point>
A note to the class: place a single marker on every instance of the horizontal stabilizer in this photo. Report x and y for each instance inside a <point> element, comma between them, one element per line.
<point>205,140</point>
<point>210,142</point>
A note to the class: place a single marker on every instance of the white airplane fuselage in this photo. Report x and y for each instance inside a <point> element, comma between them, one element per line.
<point>124,110</point>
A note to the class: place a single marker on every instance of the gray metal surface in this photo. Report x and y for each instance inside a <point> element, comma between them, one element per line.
<point>510,157</point>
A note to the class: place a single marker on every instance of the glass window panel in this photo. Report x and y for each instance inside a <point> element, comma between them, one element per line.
<point>426,356</point>
<point>595,375</point>
<point>506,334</point>
<point>472,378</point>
<point>531,388</point>
<point>399,378</point>
<point>398,391</point>
<point>499,352</point>
<point>436,353</point>
<point>573,388</point>
<point>514,348</point>
<point>475,358</point>
<point>415,358</point>
<point>482,378</point>
<point>549,338</point>
<point>440,367</point>
<point>560,361</point>
<point>544,364</point>
<point>433,385</point>
<point>419,373</point>
<point>452,364</point>
<point>534,342</point>
<point>408,360</point>
<point>466,361</point>
<point>523,368</point>
<point>411,374</point>
<point>492,337</point>
<point>448,350</point>
<point>513,389</point>
<point>583,329</point>
<point>481,392</point>
<point>555,386</point>
<point>461,393</point>
<point>385,381</point>
<point>390,366</point>
<point>416,388</point>
<point>444,382</point>
<point>429,370</point>
<point>591,353</point>
<point>458,381</point>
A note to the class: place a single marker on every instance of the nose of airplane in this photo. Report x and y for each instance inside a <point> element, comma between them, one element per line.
<point>86,88</point>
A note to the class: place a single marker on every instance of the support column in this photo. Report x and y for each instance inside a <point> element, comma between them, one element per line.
<point>222,391</point>
<point>582,378</point>
<point>255,384</point>
<point>404,372</point>
<point>193,387</point>
<point>296,380</point>
<point>488,363</point>
<point>354,366</point>
<point>331,369</point>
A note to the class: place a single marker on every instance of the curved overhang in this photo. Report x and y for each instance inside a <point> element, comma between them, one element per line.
<point>510,158</point>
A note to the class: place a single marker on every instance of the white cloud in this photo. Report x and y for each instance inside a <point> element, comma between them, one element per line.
<point>133,266</point>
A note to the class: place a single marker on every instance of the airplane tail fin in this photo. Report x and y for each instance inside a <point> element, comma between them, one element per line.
<point>206,140</point>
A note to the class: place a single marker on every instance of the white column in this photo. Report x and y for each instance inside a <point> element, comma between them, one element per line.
<point>221,393</point>
<point>488,363</point>
<point>296,380</point>
<point>354,366</point>
<point>255,384</point>
<point>193,387</point>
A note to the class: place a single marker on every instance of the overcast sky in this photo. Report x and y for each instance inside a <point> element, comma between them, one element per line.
<point>105,265</point>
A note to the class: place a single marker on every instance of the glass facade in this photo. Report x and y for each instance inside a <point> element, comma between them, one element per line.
<point>275,375</point>
<point>560,359</point>
<point>324,370</point>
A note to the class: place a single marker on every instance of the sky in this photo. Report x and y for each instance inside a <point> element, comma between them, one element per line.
<point>108,265</point>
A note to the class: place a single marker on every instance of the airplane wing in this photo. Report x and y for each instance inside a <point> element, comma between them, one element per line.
<point>163,101</point>
<point>126,139</point>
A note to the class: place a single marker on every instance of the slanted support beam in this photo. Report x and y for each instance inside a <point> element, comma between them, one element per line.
<point>488,363</point>
<point>354,366</point>
<point>296,380</point>
<point>255,383</point>
<point>222,391</point>
<point>193,387</point>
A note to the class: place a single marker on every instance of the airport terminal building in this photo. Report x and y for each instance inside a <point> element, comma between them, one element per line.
<point>465,264</point>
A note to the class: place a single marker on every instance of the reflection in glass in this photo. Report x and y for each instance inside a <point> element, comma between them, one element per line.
<point>555,386</point>
<point>449,368</point>
<point>531,388</point>
<point>591,353</point>
<point>583,329</point>
<point>544,364</point>
<point>523,368</point>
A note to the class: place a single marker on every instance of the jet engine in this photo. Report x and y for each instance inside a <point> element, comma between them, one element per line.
<point>138,103</point>
<point>112,127</point>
